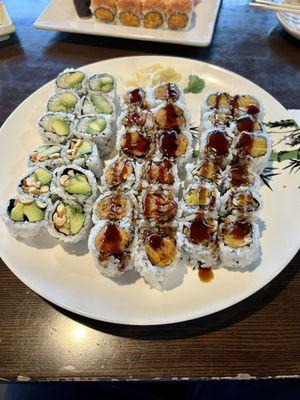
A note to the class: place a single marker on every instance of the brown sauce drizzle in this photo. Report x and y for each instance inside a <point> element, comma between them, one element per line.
<point>218,142</point>
<point>136,96</point>
<point>111,242</point>
<point>139,146</point>
<point>245,124</point>
<point>200,231</point>
<point>169,143</point>
<point>163,208</point>
<point>172,91</point>
<point>134,118</point>
<point>164,172</point>
<point>171,117</point>
<point>253,110</point>
<point>218,99</point>
<point>155,241</point>
<point>205,274</point>
<point>240,229</point>
<point>245,143</point>
<point>234,102</point>
<point>239,175</point>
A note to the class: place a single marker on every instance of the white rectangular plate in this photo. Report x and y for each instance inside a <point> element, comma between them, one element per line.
<point>61,15</point>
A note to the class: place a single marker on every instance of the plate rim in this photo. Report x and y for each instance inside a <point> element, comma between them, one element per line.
<point>161,320</point>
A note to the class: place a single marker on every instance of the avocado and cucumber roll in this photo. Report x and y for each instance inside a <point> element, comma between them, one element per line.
<point>72,80</point>
<point>102,83</point>
<point>68,221</point>
<point>46,155</point>
<point>56,127</point>
<point>24,216</point>
<point>96,104</point>
<point>63,102</point>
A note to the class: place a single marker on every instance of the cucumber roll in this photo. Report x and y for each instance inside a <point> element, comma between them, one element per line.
<point>96,128</point>
<point>236,175</point>
<point>84,154</point>
<point>73,183</point>
<point>55,127</point>
<point>158,205</point>
<point>120,173</point>
<point>216,146</point>
<point>198,236</point>
<point>71,80</point>
<point>46,155</point>
<point>241,200</point>
<point>174,145</point>
<point>63,102</point>
<point>96,104</point>
<point>204,170</point>
<point>24,216</point>
<point>200,196</point>
<point>172,116</point>
<point>135,144</point>
<point>102,84</point>
<point>115,206</point>
<point>68,222</point>
<point>110,244</point>
<point>238,241</point>
<point>157,256</point>
<point>36,182</point>
<point>134,99</point>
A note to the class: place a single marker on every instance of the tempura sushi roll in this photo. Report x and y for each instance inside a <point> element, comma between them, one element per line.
<point>96,104</point>
<point>157,256</point>
<point>24,216</point>
<point>241,200</point>
<point>134,98</point>
<point>204,170</point>
<point>252,149</point>
<point>166,92</point>
<point>247,123</point>
<point>238,241</point>
<point>129,12</point>
<point>179,14</point>
<point>68,221</point>
<point>71,80</point>
<point>154,15</point>
<point>177,146</point>
<point>115,206</point>
<point>198,236</point>
<point>172,116</point>
<point>216,146</point>
<point>119,174</point>
<point>104,10</point>
<point>135,144</point>
<point>36,182</point>
<point>97,129</point>
<point>73,183</point>
<point>162,173</point>
<point>236,175</point>
<point>219,101</point>
<point>56,127</point>
<point>139,119</point>
<point>102,84</point>
<point>46,155</point>
<point>110,244</point>
<point>200,196</point>
<point>216,119</point>
<point>63,102</point>
<point>158,205</point>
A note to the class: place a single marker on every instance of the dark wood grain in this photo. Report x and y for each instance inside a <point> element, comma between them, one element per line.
<point>258,337</point>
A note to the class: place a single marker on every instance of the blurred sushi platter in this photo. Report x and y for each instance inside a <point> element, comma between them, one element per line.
<point>171,21</point>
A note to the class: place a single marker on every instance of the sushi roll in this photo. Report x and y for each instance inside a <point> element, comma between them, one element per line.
<point>56,127</point>
<point>252,149</point>
<point>24,216</point>
<point>84,154</point>
<point>102,84</point>
<point>215,119</point>
<point>96,104</point>
<point>71,80</point>
<point>36,182</point>
<point>142,120</point>
<point>172,116</point>
<point>174,145</point>
<point>216,146</point>
<point>157,256</point>
<point>218,101</point>
<point>200,196</point>
<point>238,241</point>
<point>166,92</point>
<point>134,98</point>
<point>204,170</point>
<point>46,155</point>
<point>83,8</point>
<point>110,244</point>
<point>154,14</point>
<point>119,174</point>
<point>135,144</point>
<point>198,237</point>
<point>97,129</point>
<point>158,206</point>
<point>73,183</point>
<point>241,200</point>
<point>115,206</point>
<point>247,123</point>
<point>68,222</point>
<point>163,173</point>
<point>104,10</point>
<point>179,14</point>
<point>129,12</point>
<point>236,175</point>
<point>63,102</point>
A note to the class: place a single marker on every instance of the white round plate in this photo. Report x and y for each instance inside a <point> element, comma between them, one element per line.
<point>290,22</point>
<point>66,275</point>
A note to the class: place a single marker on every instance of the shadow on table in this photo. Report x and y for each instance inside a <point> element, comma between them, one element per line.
<point>200,326</point>
<point>281,48</point>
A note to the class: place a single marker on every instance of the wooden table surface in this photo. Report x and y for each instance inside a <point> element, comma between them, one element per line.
<point>258,337</point>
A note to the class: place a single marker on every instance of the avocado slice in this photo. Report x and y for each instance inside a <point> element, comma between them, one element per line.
<point>60,126</point>
<point>17,214</point>
<point>43,176</point>
<point>85,148</point>
<point>33,212</point>
<point>68,100</point>
<point>78,184</point>
<point>74,79</point>
<point>102,106</point>
<point>96,125</point>
<point>76,218</point>
<point>106,83</point>
<point>47,150</point>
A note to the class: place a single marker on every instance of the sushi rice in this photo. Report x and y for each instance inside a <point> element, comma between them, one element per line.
<point>56,127</point>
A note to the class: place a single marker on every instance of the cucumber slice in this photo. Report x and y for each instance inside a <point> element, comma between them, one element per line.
<point>102,106</point>
<point>60,126</point>
<point>96,125</point>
